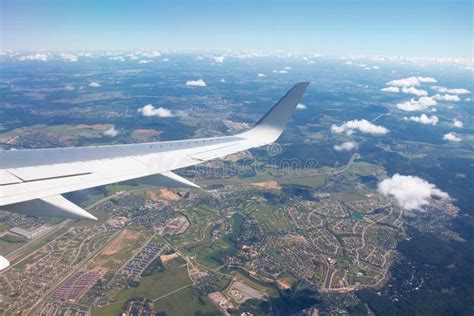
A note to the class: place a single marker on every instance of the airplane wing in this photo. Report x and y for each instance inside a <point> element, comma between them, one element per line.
<point>33,181</point>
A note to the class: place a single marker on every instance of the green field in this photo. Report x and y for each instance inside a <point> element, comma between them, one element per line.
<point>154,286</point>
<point>8,243</point>
<point>357,216</point>
<point>173,304</point>
<point>273,218</point>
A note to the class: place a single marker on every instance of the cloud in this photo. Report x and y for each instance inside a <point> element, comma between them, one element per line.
<point>152,54</point>
<point>417,105</point>
<point>94,84</point>
<point>261,75</point>
<point>165,60</point>
<point>117,58</point>
<point>218,59</point>
<point>150,110</point>
<point>411,192</point>
<point>363,126</point>
<point>447,97</point>
<point>452,137</point>
<point>145,61</point>
<point>311,62</point>
<point>458,123</point>
<point>38,57</point>
<point>415,91</point>
<point>411,81</point>
<point>346,146</point>
<point>391,89</point>
<point>196,83</point>
<point>423,119</point>
<point>348,62</point>
<point>68,57</point>
<point>449,90</point>
<point>68,87</point>
<point>111,132</point>
<point>222,80</point>
<point>300,106</point>
<point>280,71</point>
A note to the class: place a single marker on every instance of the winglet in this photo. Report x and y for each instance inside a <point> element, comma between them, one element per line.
<point>54,206</point>
<point>271,125</point>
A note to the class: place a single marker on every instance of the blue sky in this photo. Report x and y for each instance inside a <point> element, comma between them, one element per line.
<point>338,27</point>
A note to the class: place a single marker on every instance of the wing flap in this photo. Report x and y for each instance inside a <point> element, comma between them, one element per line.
<point>220,152</point>
<point>50,172</point>
<point>7,178</point>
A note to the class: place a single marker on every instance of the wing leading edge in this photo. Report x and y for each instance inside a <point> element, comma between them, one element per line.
<point>32,181</point>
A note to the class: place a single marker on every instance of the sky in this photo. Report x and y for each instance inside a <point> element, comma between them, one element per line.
<point>333,27</point>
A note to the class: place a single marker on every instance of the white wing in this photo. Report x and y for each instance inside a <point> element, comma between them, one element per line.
<point>32,181</point>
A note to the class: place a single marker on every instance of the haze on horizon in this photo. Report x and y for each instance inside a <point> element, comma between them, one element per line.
<point>365,27</point>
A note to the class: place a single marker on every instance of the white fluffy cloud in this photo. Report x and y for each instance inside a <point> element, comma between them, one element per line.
<point>449,90</point>
<point>218,59</point>
<point>38,57</point>
<point>391,89</point>
<point>145,61</point>
<point>346,146</point>
<point>417,105</point>
<point>415,91</point>
<point>150,110</point>
<point>283,71</point>
<point>94,84</point>
<point>68,57</point>
<point>117,58</point>
<point>411,192</point>
<point>458,123</point>
<point>363,126</point>
<point>411,81</point>
<point>196,83</point>
<point>111,132</point>
<point>261,75</point>
<point>300,106</point>
<point>447,97</point>
<point>152,54</point>
<point>452,137</point>
<point>424,119</point>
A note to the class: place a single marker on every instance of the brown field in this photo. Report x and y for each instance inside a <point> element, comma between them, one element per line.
<point>118,251</point>
<point>152,196</point>
<point>168,195</point>
<point>163,195</point>
<point>116,244</point>
<point>96,127</point>
<point>269,185</point>
<point>166,258</point>
<point>282,284</point>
